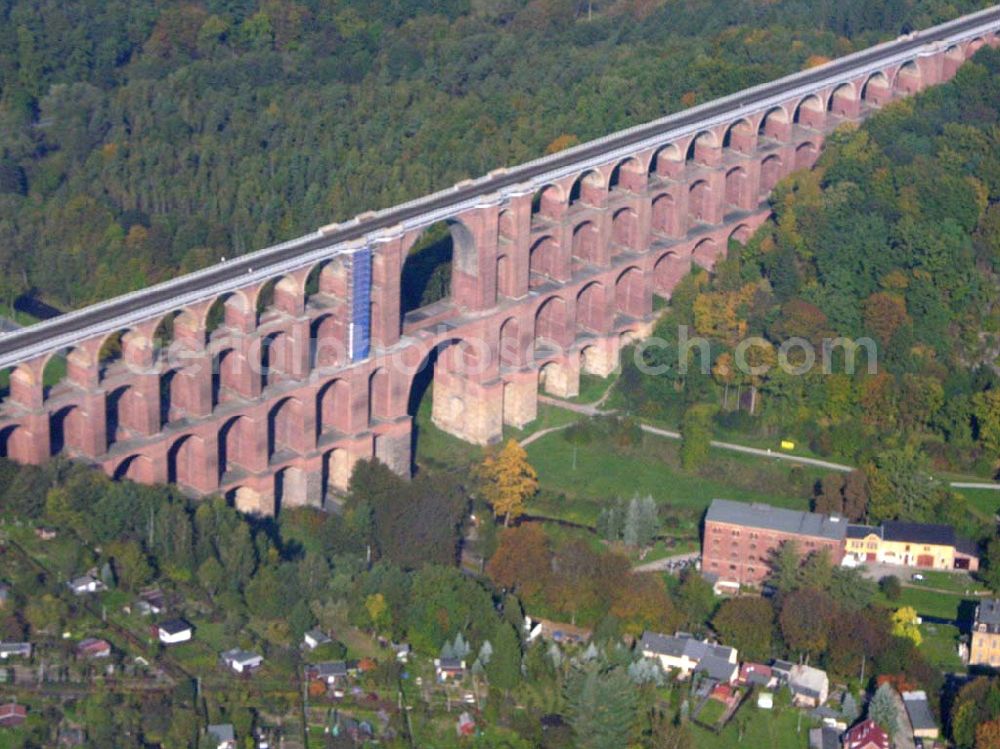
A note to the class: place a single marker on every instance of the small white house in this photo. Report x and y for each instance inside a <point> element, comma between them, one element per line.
<point>314,638</point>
<point>15,650</point>
<point>449,669</point>
<point>85,584</point>
<point>222,735</point>
<point>765,701</point>
<point>174,631</point>
<point>330,673</point>
<point>810,686</point>
<point>241,661</point>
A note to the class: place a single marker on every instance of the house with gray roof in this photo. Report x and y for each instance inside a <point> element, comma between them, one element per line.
<point>686,654</point>
<point>918,710</point>
<point>810,686</point>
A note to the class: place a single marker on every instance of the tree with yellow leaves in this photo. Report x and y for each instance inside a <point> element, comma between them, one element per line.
<point>507,479</point>
<point>904,624</point>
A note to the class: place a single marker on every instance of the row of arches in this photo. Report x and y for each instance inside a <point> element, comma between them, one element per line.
<point>290,487</point>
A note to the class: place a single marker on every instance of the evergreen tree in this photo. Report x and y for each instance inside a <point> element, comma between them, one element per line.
<point>504,666</point>
<point>601,705</point>
<point>882,709</point>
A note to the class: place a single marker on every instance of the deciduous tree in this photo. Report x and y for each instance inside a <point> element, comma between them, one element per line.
<point>746,624</point>
<point>507,480</point>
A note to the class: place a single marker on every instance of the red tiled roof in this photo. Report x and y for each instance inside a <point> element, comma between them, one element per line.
<point>866,735</point>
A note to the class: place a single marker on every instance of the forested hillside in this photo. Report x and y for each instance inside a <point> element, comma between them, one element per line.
<point>894,237</point>
<point>140,138</point>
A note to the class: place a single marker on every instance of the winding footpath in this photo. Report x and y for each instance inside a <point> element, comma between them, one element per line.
<point>594,409</point>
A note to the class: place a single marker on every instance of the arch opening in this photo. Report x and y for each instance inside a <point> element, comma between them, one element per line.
<point>630,293</point>
<point>506,280</point>
<point>277,358</point>
<point>705,253</point>
<point>588,189</point>
<point>66,430</point>
<point>379,400</point>
<point>5,378</point>
<point>876,90</point>
<point>543,262</point>
<point>56,378</point>
<point>291,489</point>
<point>737,189</point>
<point>700,202</point>
<point>770,174</point>
<point>841,102</point>
<point>8,441</point>
<point>625,230</point>
<point>908,78</point>
<point>183,460</point>
<point>333,408</point>
<point>547,204</point>
<point>629,175</point>
<point>285,429</point>
<point>810,113</point>
<point>668,272</point>
<point>586,243</point>
<point>665,218</point>
<point>701,150</point>
<point>806,155</point>
<point>328,336</point>
<point>774,125</point>
<point>591,309</point>
<point>739,137</point>
<point>138,468</point>
<point>667,161</point>
<point>441,255</point>
<point>237,446</point>
<point>554,379</point>
<point>280,295</point>
<point>337,471</point>
<point>552,328</point>
<point>327,284</point>
<point>510,353</point>
<point>230,311</point>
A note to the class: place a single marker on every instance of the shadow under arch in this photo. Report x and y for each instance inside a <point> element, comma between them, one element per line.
<point>430,265</point>
<point>420,385</point>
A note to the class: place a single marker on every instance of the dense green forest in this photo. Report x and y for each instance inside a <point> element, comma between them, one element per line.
<point>140,139</point>
<point>894,236</point>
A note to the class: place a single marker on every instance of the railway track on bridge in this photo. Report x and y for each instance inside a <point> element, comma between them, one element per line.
<point>156,300</point>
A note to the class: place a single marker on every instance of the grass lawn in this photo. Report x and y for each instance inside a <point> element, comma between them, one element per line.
<point>594,472</point>
<point>712,712</point>
<point>955,582</point>
<point>929,603</point>
<point>762,729</point>
<point>986,502</point>
<point>940,645</point>
<point>592,388</point>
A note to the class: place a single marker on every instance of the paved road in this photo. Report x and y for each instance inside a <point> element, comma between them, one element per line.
<point>163,297</point>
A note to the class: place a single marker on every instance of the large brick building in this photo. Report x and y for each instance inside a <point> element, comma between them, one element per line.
<point>741,538</point>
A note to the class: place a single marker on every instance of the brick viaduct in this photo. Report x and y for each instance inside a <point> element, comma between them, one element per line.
<point>271,387</point>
